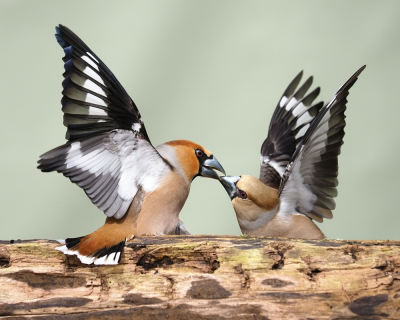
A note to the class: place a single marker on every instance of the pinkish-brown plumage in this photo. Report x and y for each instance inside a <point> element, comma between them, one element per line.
<point>141,189</point>
<point>299,167</point>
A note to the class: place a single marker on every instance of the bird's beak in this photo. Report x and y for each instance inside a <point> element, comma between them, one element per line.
<point>208,166</point>
<point>229,184</point>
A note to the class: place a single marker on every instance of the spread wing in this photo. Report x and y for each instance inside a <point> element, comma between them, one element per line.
<point>93,99</point>
<point>310,179</point>
<point>108,153</point>
<point>291,119</point>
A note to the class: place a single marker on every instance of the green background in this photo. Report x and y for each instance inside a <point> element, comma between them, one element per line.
<point>211,72</point>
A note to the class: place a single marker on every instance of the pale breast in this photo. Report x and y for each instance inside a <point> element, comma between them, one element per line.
<point>296,226</point>
<point>160,208</point>
<point>251,223</point>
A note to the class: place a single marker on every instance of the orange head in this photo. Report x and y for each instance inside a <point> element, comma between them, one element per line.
<point>194,160</point>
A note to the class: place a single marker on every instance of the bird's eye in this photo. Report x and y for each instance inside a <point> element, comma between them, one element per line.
<point>242,194</point>
<point>199,153</point>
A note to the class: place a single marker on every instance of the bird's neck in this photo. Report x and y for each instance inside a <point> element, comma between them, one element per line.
<point>180,160</point>
<point>263,207</point>
<point>254,222</point>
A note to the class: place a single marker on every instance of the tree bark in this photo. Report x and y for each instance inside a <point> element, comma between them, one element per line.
<point>205,277</point>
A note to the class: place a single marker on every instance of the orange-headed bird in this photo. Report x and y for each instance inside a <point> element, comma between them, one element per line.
<point>141,189</point>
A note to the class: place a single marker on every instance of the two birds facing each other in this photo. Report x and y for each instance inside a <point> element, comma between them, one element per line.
<point>142,189</point>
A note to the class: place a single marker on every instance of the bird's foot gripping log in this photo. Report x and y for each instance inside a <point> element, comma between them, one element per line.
<point>140,188</point>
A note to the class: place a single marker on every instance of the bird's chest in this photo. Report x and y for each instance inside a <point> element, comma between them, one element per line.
<point>160,208</point>
<point>295,226</point>
<point>251,224</point>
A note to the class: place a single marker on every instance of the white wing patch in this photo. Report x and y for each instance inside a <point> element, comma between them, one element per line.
<point>277,165</point>
<point>110,167</point>
<point>300,108</point>
<point>76,94</point>
<point>90,61</point>
<point>87,84</point>
<point>143,167</point>
<point>90,55</point>
<point>88,71</point>
<point>72,108</point>
<point>302,131</point>
<point>292,102</point>
<point>136,126</point>
<point>296,193</point>
<point>310,180</point>
<point>283,101</point>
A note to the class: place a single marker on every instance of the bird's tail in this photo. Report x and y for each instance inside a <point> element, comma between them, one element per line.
<point>91,249</point>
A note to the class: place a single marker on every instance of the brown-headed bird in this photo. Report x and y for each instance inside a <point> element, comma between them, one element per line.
<point>141,189</point>
<point>299,167</point>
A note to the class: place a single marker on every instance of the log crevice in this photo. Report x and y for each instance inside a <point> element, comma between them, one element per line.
<point>205,277</point>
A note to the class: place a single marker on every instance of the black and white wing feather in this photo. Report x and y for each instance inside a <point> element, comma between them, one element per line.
<point>291,119</point>
<point>310,179</point>
<point>93,99</point>
<point>108,153</point>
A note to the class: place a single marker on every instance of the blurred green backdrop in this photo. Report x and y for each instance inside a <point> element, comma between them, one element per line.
<point>211,72</point>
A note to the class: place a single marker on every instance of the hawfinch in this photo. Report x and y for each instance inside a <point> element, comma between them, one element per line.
<point>141,189</point>
<point>299,167</point>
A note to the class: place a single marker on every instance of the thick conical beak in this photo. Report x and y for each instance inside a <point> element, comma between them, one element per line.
<point>229,184</point>
<point>208,166</point>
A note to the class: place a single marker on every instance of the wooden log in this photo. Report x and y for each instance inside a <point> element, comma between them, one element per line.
<point>205,277</point>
